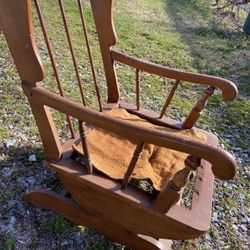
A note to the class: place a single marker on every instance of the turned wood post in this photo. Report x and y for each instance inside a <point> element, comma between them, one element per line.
<point>85,146</point>
<point>137,80</point>
<point>196,111</point>
<point>171,194</point>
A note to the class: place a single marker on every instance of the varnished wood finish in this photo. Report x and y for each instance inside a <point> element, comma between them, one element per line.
<point>168,197</point>
<point>137,154</point>
<point>47,129</point>
<point>198,218</point>
<point>72,52</point>
<point>85,146</point>
<point>105,197</point>
<point>169,99</point>
<point>196,111</point>
<point>103,16</point>
<point>171,194</point>
<point>229,90</point>
<point>129,208</point>
<point>90,54</point>
<point>20,37</point>
<point>71,210</point>
<point>224,165</point>
<point>52,59</point>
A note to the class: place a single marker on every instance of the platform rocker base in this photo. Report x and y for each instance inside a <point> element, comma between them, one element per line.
<point>68,208</point>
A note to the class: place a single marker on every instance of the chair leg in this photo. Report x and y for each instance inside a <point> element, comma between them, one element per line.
<point>48,200</point>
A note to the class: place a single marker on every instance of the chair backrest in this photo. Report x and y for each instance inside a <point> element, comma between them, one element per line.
<point>18,27</point>
<point>21,38</point>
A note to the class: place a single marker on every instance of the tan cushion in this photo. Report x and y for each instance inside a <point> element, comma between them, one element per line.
<point>111,153</point>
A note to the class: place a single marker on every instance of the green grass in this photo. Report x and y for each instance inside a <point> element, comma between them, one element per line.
<point>9,244</point>
<point>61,225</point>
<point>178,34</point>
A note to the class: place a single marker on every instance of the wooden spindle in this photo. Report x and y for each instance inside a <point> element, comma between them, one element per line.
<point>171,194</point>
<point>137,80</point>
<point>136,156</point>
<point>72,52</point>
<point>180,179</point>
<point>197,110</point>
<point>53,62</point>
<point>85,146</point>
<point>90,54</point>
<point>169,99</point>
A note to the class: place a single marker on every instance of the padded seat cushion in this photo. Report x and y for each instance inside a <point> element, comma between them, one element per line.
<point>111,153</point>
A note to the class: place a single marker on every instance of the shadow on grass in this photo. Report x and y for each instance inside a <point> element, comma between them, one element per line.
<point>23,226</point>
<point>15,154</point>
<point>216,48</point>
<point>19,175</point>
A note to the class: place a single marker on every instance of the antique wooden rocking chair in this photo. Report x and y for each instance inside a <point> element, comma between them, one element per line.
<point>113,206</point>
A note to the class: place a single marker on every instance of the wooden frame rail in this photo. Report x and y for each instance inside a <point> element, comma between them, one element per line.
<point>229,90</point>
<point>190,223</point>
<point>224,165</point>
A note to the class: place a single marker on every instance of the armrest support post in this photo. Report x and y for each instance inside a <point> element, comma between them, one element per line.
<point>197,110</point>
<point>171,194</point>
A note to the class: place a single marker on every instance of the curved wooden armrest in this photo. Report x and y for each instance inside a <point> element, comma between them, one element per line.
<point>224,165</point>
<point>228,88</point>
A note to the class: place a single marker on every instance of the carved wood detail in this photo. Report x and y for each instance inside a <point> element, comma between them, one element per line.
<point>83,135</point>
<point>196,111</point>
<point>171,194</point>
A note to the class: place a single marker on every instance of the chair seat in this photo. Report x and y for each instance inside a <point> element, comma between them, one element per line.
<point>111,153</point>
